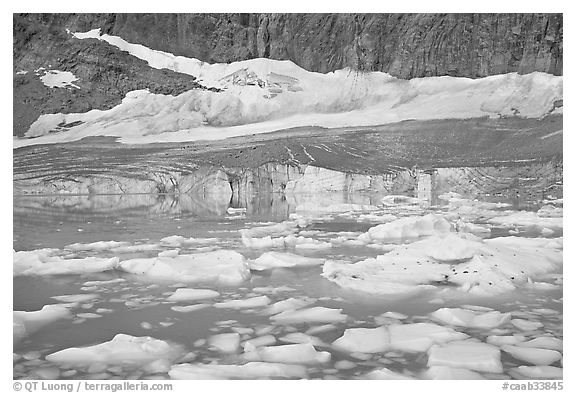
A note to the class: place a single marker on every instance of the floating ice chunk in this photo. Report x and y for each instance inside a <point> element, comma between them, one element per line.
<point>504,340</point>
<point>123,350</point>
<point>537,372</point>
<point>527,219</point>
<point>466,354</point>
<point>169,253</point>
<point>301,338</point>
<point>391,200</point>
<point>76,298</point>
<point>364,340</point>
<point>225,343</point>
<point>96,246</point>
<point>222,266</point>
<point>258,301</point>
<point>535,356</point>
<point>280,229</point>
<point>88,315</point>
<point>310,315</point>
<point>451,373</point>
<point>272,290</point>
<point>191,294</point>
<point>525,325</point>
<point>27,322</point>
<point>550,211</point>
<point>179,241</point>
<point>315,208</point>
<point>291,353</point>
<point>543,342</point>
<point>273,259</point>
<point>469,318</point>
<point>135,248</point>
<point>104,282</point>
<point>394,315</point>
<point>285,305</point>
<point>385,373</point>
<point>190,308</point>
<point>408,227</point>
<point>419,337</point>
<point>44,262</point>
<point>252,370</point>
<point>250,345</point>
<point>321,329</point>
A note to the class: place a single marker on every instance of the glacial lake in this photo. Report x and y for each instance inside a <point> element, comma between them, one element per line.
<point>137,305</point>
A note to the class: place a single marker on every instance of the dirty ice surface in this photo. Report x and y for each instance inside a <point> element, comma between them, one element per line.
<point>363,287</point>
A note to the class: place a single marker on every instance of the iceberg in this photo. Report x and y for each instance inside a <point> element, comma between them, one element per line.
<point>221,267</point>
<point>470,355</point>
<point>273,259</point>
<point>45,262</point>
<point>26,322</point>
<point>123,350</point>
<point>304,354</point>
<point>191,294</point>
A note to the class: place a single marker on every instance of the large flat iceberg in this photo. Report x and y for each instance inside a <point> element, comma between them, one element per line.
<point>222,266</point>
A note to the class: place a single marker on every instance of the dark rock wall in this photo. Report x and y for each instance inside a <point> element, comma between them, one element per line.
<point>405,45</point>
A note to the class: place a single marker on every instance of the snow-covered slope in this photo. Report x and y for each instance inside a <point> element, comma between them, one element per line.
<point>263,95</point>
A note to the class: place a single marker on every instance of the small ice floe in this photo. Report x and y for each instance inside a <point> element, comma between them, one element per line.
<point>169,253</point>
<point>309,315</point>
<point>505,340</point>
<point>45,262</point>
<point>21,72</point>
<point>280,229</point>
<point>27,322</point>
<point>470,355</point>
<point>525,325</point>
<point>415,337</point>
<point>406,228</point>
<point>251,370</point>
<point>470,318</point>
<point>180,241</point>
<point>129,352</point>
<point>536,372</point>
<point>225,343</point>
<point>191,294</point>
<point>82,298</point>
<point>535,356</point>
<point>291,354</point>
<point>321,329</point>
<point>273,290</point>
<point>385,373</point>
<point>286,305</point>
<point>96,246</point>
<point>222,266</point>
<point>302,338</point>
<point>392,200</point>
<point>544,342</point>
<point>364,340</point>
<point>261,341</point>
<point>88,315</point>
<point>527,219</point>
<point>104,282</point>
<point>135,248</point>
<point>190,308</point>
<point>258,301</point>
<point>451,373</point>
<point>273,259</point>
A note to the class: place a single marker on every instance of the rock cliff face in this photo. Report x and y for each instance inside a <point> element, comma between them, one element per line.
<point>404,45</point>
